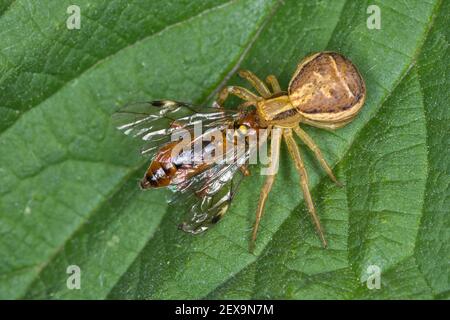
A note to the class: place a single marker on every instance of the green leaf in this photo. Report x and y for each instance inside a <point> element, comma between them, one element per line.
<point>68,183</point>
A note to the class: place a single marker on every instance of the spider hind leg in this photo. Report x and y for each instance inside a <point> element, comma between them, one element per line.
<point>300,166</point>
<point>270,179</point>
<point>317,153</point>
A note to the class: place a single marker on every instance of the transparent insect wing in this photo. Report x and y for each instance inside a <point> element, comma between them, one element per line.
<point>205,205</point>
<point>156,121</point>
<point>205,197</point>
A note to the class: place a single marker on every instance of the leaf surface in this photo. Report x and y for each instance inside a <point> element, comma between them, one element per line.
<point>68,191</point>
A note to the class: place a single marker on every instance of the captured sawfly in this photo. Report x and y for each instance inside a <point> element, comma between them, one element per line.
<point>326,91</point>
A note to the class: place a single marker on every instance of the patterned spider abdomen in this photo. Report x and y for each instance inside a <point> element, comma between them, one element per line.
<point>327,85</point>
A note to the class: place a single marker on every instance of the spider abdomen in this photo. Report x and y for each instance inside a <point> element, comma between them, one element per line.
<point>325,86</point>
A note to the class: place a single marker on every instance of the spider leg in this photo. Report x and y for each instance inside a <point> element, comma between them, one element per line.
<point>245,171</point>
<point>273,81</point>
<point>295,154</point>
<point>240,92</point>
<point>315,149</point>
<point>257,83</point>
<point>268,183</point>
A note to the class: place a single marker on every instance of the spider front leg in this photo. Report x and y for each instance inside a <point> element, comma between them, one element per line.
<point>299,165</point>
<point>315,149</point>
<point>245,170</point>
<point>273,81</point>
<point>244,94</point>
<point>257,83</point>
<point>268,183</point>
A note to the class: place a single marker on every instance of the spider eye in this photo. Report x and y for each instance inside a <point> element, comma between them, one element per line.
<point>243,129</point>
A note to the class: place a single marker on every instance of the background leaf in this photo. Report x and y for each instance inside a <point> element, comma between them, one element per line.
<point>68,188</point>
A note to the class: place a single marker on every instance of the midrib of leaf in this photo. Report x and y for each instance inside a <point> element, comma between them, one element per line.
<point>235,66</point>
<point>5,6</point>
<point>144,163</point>
<point>67,81</point>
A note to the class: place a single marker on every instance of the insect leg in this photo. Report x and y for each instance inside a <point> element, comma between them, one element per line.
<point>295,153</point>
<point>240,92</point>
<point>272,80</point>
<point>314,148</point>
<point>259,85</point>
<point>274,157</point>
